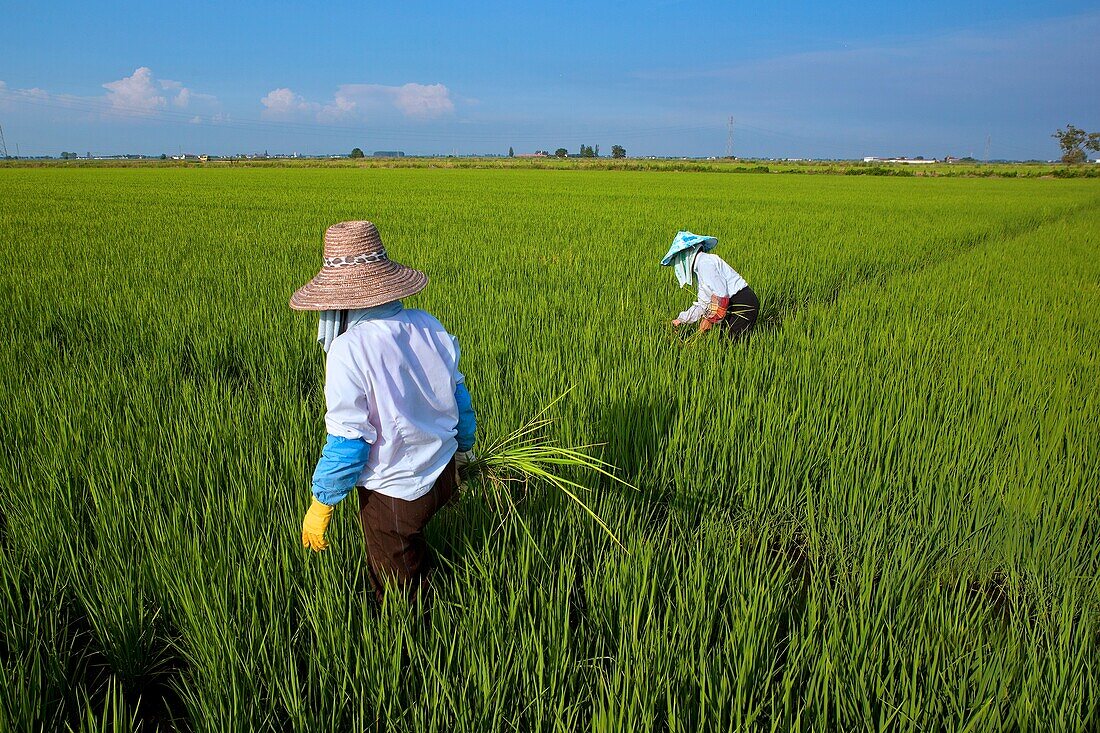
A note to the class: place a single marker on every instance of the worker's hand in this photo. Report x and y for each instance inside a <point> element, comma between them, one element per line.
<point>462,459</point>
<point>315,524</point>
<point>704,325</point>
<point>676,322</point>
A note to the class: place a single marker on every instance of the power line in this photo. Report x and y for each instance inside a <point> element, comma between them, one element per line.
<point>469,133</point>
<point>3,145</point>
<point>464,133</point>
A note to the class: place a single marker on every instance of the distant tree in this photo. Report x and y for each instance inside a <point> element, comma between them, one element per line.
<point>618,151</point>
<point>1074,141</point>
<point>356,153</point>
<point>511,153</point>
<point>561,153</point>
<point>163,156</point>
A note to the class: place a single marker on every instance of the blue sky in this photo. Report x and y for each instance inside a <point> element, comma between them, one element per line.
<point>661,78</point>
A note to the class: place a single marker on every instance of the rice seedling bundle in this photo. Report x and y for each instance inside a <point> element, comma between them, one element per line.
<point>879,512</point>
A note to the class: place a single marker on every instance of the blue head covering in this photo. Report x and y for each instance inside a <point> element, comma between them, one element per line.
<point>681,255</point>
<point>685,241</point>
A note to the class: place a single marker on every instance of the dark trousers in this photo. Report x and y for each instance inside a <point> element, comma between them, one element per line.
<point>741,312</point>
<point>397,552</point>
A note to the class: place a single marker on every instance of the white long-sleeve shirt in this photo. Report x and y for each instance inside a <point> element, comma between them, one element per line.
<point>715,277</point>
<point>390,381</point>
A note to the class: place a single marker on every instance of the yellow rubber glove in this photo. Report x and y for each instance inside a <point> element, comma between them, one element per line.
<point>315,524</point>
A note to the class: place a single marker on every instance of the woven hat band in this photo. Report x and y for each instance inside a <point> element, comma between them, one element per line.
<point>360,259</point>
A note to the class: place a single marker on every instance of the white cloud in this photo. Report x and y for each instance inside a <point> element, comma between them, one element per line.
<point>11,95</point>
<point>342,107</point>
<point>136,94</point>
<point>424,101</point>
<point>282,103</point>
<point>36,92</point>
<point>930,94</point>
<point>139,96</point>
<point>363,101</point>
<point>925,73</point>
<point>142,93</point>
<point>214,119</point>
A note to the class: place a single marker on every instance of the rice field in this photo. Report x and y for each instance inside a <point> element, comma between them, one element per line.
<point>880,512</point>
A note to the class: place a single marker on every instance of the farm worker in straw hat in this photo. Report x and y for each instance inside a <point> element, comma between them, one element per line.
<point>724,297</point>
<point>399,417</point>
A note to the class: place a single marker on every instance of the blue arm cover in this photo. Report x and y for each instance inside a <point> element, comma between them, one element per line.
<point>467,423</point>
<point>342,462</point>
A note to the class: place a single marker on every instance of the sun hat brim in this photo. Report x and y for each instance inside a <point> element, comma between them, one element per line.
<point>687,240</point>
<point>358,286</point>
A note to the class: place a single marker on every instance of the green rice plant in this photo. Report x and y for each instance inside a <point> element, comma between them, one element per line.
<point>878,512</point>
<point>112,713</point>
<point>507,467</point>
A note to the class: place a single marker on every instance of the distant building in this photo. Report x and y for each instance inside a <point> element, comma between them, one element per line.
<point>539,154</point>
<point>389,154</point>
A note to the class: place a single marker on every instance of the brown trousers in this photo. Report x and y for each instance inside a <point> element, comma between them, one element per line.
<point>397,552</point>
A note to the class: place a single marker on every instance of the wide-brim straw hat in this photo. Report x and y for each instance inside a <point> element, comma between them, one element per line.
<point>687,240</point>
<point>356,272</point>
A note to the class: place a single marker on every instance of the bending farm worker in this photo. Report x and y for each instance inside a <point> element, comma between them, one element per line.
<point>724,297</point>
<point>399,417</point>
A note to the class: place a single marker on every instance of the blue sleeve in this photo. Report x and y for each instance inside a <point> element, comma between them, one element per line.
<point>467,423</point>
<point>342,462</point>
